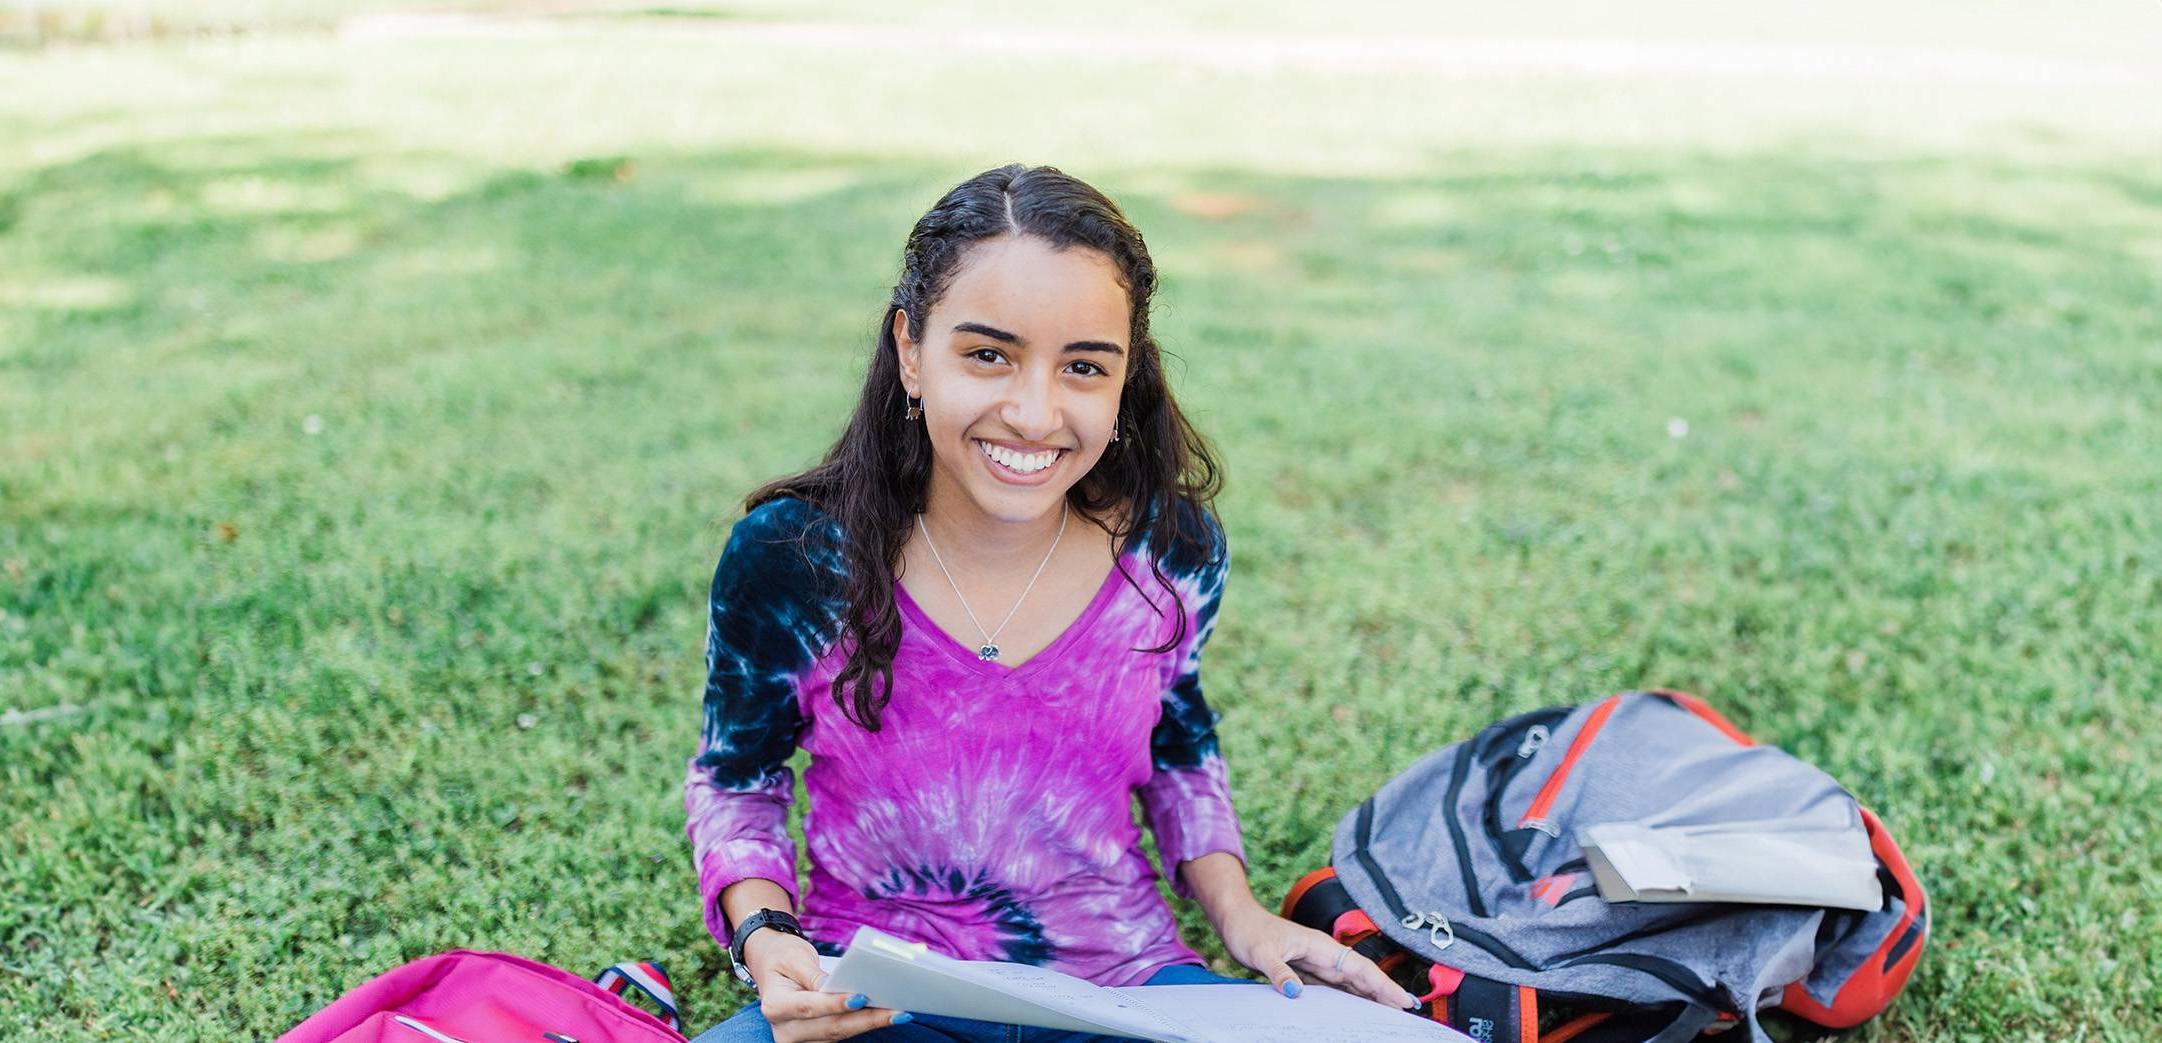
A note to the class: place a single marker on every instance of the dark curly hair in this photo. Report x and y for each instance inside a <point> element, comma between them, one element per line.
<point>873,481</point>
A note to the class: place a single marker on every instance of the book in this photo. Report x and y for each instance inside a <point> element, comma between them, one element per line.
<point>904,975</point>
<point>1772,863</point>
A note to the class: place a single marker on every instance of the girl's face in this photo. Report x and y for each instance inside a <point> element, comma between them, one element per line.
<point>1019,369</point>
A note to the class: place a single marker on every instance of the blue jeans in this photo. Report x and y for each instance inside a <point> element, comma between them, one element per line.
<point>749,1026</point>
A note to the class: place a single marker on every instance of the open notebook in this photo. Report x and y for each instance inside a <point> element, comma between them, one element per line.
<point>909,976</point>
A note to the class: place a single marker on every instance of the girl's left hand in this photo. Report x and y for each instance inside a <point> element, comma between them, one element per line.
<point>1274,946</point>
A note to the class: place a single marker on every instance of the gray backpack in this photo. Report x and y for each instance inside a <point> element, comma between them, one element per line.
<point>1462,878</point>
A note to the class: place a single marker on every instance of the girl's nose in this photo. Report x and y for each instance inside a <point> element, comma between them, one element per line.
<point>1032,410</point>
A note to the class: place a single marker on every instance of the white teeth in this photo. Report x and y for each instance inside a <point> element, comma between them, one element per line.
<point>1026,463</point>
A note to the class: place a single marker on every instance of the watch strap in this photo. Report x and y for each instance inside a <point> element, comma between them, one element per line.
<point>783,922</point>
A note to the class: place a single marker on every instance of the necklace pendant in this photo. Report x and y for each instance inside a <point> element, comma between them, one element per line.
<point>988,652</point>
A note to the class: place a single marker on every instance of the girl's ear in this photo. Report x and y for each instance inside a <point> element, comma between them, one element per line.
<point>908,353</point>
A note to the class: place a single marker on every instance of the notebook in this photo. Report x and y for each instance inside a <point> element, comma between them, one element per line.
<point>904,975</point>
<point>1764,862</point>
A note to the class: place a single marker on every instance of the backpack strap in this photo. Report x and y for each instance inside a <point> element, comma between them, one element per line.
<point>1320,901</point>
<point>1490,1011</point>
<point>647,977</point>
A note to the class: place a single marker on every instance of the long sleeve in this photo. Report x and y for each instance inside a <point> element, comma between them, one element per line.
<point>1187,800</point>
<point>769,617</point>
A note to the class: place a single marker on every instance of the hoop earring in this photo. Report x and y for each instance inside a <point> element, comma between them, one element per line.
<point>914,411</point>
<point>1114,432</point>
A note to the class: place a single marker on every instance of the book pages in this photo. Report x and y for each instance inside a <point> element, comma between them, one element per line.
<point>909,976</point>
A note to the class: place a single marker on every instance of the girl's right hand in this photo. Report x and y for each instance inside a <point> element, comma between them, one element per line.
<point>787,972</point>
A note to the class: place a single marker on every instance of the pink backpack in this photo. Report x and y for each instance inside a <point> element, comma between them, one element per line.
<point>463,996</point>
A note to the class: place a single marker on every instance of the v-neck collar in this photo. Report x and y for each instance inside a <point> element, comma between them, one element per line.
<point>966,654</point>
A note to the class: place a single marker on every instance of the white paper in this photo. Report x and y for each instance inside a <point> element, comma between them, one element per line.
<point>1759,862</point>
<point>907,976</point>
<point>1259,1014</point>
<point>1634,854</point>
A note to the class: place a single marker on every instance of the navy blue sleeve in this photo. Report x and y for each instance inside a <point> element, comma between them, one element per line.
<point>1186,733</point>
<point>772,611</point>
<point>1187,800</point>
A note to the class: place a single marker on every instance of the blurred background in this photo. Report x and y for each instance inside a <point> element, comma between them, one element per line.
<point>378,381</point>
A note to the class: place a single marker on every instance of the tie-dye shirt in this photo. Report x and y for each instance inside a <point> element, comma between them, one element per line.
<point>991,816</point>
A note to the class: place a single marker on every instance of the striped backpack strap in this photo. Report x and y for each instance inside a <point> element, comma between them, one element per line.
<point>647,977</point>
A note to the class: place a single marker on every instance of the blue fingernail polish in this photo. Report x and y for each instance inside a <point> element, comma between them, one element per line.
<point>1291,988</point>
<point>903,1018</point>
<point>858,1001</point>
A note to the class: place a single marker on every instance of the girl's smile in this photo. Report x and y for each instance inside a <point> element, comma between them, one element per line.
<point>1018,466</point>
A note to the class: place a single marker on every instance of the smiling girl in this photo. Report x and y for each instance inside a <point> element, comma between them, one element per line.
<point>983,616</point>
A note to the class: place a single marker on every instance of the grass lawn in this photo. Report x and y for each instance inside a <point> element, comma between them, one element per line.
<point>373,406</point>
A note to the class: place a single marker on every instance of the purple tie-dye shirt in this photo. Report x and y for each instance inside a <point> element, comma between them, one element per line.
<point>992,814</point>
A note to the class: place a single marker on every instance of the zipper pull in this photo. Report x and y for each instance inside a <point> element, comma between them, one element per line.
<point>1534,738</point>
<point>1439,933</point>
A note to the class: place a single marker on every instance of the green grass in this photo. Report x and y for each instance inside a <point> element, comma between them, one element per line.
<point>323,695</point>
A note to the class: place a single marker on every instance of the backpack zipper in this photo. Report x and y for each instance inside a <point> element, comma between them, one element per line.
<point>1535,815</point>
<point>1439,934</point>
<point>424,1030</point>
<point>1502,760</point>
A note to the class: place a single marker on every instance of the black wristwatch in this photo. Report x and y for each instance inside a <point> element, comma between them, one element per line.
<point>779,921</point>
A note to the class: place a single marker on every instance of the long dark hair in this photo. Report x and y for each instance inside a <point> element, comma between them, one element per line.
<point>874,480</point>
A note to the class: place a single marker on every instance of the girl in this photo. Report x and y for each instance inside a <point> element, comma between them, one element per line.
<point>983,616</point>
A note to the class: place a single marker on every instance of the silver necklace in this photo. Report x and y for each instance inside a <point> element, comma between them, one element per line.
<point>989,651</point>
